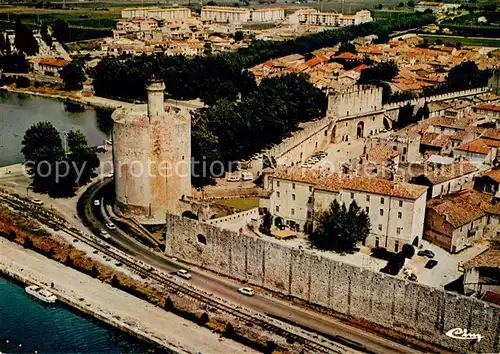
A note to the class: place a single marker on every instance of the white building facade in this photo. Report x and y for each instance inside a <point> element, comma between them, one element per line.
<point>396,210</point>
<point>225,14</point>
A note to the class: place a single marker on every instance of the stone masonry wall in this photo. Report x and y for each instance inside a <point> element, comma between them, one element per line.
<point>414,309</point>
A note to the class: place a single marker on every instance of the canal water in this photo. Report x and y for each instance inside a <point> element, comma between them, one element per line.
<point>55,328</point>
<point>18,112</point>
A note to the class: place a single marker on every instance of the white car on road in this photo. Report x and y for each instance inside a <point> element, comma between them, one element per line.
<point>97,202</point>
<point>183,274</point>
<point>105,235</point>
<point>111,226</point>
<point>246,291</point>
<point>37,201</point>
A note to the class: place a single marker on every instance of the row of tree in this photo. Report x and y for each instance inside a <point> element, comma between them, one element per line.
<point>230,131</point>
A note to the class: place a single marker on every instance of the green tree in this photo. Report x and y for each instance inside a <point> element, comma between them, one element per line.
<point>24,40</point>
<point>347,47</point>
<point>115,282</point>
<point>466,75</point>
<point>408,251</point>
<point>267,222</point>
<point>82,158</point>
<point>401,4</point>
<point>61,31</point>
<point>228,330</point>
<point>4,45</point>
<point>380,6</point>
<point>385,71</point>
<point>411,3</point>
<point>46,37</point>
<point>169,305</point>
<point>72,76</point>
<point>238,36</point>
<point>339,228</point>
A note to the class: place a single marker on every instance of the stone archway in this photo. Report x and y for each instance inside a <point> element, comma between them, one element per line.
<point>360,128</point>
<point>201,239</point>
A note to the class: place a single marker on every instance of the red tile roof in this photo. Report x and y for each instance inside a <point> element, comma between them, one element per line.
<point>489,258</point>
<point>456,212</point>
<point>53,62</point>
<point>449,172</point>
<point>359,68</point>
<point>328,181</point>
<point>489,107</point>
<point>477,146</point>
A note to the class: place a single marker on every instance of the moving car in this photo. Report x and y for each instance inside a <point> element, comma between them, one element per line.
<point>105,235</point>
<point>97,202</point>
<point>426,253</point>
<point>246,291</point>
<point>111,226</point>
<point>37,201</point>
<point>183,274</point>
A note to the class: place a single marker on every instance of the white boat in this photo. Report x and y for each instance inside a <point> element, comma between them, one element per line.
<point>41,294</point>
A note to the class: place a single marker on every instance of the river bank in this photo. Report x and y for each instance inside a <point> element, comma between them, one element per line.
<point>112,306</point>
<point>93,101</point>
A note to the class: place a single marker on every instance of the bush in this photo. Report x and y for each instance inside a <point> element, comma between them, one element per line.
<point>68,262</point>
<point>115,282</point>
<point>228,330</point>
<point>28,243</point>
<point>22,81</point>
<point>95,271</point>
<point>203,319</point>
<point>169,305</point>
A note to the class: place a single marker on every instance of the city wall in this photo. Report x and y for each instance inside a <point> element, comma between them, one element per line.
<point>414,309</point>
<point>303,143</point>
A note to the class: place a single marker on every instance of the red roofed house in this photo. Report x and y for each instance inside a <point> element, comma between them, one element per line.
<point>361,67</point>
<point>50,66</point>
<point>482,275</point>
<point>478,151</point>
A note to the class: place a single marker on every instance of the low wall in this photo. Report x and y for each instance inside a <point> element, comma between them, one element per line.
<point>414,309</point>
<point>243,216</point>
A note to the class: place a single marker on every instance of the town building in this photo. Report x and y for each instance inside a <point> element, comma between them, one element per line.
<point>482,276</point>
<point>480,151</point>
<point>151,157</point>
<point>171,13</point>
<point>435,7</point>
<point>332,19</point>
<point>396,209</point>
<point>407,143</point>
<point>48,66</point>
<point>270,14</point>
<point>446,179</point>
<point>453,224</point>
<point>225,14</point>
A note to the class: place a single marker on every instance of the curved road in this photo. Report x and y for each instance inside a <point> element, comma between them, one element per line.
<point>260,302</point>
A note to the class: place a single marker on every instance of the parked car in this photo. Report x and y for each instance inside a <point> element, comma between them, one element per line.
<point>431,263</point>
<point>426,253</point>
<point>97,202</point>
<point>246,291</point>
<point>105,235</point>
<point>183,274</point>
<point>37,201</point>
<point>111,226</point>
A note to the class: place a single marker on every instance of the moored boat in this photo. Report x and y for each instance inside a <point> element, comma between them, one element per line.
<point>41,294</point>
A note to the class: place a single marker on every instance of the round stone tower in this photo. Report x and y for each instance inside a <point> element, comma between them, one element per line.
<point>151,156</point>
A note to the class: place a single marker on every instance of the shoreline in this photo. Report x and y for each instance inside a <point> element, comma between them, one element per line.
<point>112,306</point>
<point>92,101</point>
<point>25,280</point>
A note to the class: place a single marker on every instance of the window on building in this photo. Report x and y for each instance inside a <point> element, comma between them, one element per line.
<point>396,246</point>
<point>398,230</point>
<point>277,183</point>
<point>301,154</point>
<point>400,215</point>
<point>352,195</point>
<point>377,242</point>
<point>309,214</point>
<point>310,200</point>
<point>400,203</point>
<point>310,188</point>
<point>293,211</point>
<point>293,196</point>
<point>379,227</point>
<point>278,194</point>
<point>367,197</point>
<point>277,208</point>
<point>293,185</point>
<point>381,212</point>
<point>367,209</point>
<point>326,132</point>
<point>381,201</point>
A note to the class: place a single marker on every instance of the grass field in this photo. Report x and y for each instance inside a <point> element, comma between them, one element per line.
<point>480,42</point>
<point>240,203</point>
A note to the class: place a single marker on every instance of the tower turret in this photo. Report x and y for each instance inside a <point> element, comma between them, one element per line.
<point>155,90</point>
